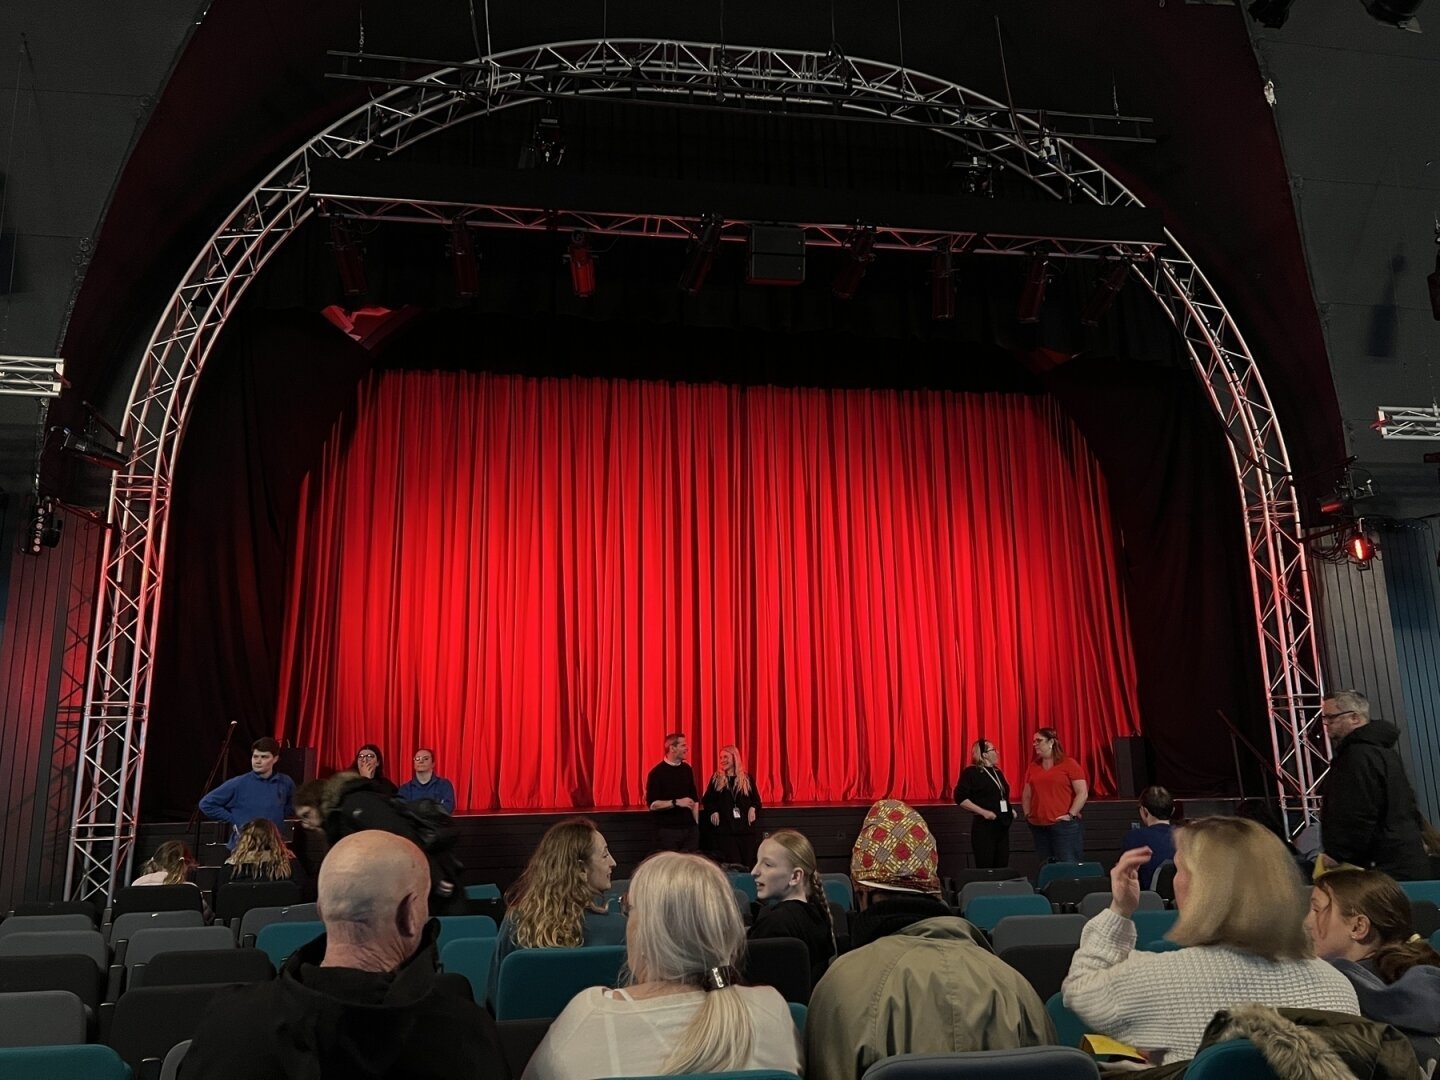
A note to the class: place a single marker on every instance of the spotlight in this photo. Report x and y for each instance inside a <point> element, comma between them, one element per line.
<point>1396,13</point>
<point>977,176</point>
<point>1103,298</point>
<point>1032,296</point>
<point>464,260</point>
<point>582,266</point>
<point>86,446</point>
<point>701,255</point>
<point>942,286</point>
<point>1359,547</point>
<point>546,147</point>
<point>42,530</point>
<point>859,252</point>
<point>349,257</point>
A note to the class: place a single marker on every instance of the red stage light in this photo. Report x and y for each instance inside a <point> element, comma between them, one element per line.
<point>582,266</point>
<point>1360,548</point>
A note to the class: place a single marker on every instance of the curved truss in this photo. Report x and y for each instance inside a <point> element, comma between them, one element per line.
<point>118,687</point>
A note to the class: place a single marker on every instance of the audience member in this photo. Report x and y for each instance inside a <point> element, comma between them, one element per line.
<point>261,793</point>
<point>370,763</point>
<point>347,803</point>
<point>682,1011</point>
<point>984,791</point>
<point>259,855</point>
<point>1054,794</point>
<point>1242,905</point>
<point>364,1000</point>
<point>792,898</point>
<point>170,865</point>
<point>670,794</point>
<point>730,806</point>
<point>558,902</point>
<point>426,785</point>
<point>1368,814</point>
<point>1360,920</point>
<point>919,979</point>
<point>1157,807</point>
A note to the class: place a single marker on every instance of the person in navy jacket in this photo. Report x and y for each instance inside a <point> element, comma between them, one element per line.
<point>426,785</point>
<point>260,793</point>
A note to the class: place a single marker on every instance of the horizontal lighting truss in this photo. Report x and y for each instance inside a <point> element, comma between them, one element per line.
<point>117,694</point>
<point>1415,422</point>
<point>31,376</point>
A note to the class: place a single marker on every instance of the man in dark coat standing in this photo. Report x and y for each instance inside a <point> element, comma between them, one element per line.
<point>1369,817</point>
<point>363,1002</point>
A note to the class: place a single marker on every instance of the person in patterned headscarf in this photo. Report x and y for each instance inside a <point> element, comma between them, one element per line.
<point>918,979</point>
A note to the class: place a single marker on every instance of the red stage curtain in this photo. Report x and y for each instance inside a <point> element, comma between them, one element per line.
<point>539,578</point>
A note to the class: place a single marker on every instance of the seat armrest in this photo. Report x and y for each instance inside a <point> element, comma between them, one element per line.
<point>149,1068</point>
<point>118,949</point>
<point>247,941</point>
<point>114,984</point>
<point>107,1021</point>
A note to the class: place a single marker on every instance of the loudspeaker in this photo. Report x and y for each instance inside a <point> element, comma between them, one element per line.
<point>1132,766</point>
<point>775,255</point>
<point>298,763</point>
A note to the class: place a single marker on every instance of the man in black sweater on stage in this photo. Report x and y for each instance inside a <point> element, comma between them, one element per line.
<point>670,792</point>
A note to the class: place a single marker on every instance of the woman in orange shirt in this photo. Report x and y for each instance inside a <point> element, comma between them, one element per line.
<point>1055,793</point>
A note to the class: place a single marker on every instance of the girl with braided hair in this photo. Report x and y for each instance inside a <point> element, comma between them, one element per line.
<point>792,898</point>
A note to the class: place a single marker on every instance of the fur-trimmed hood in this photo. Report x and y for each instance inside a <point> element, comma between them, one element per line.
<point>1294,1052</point>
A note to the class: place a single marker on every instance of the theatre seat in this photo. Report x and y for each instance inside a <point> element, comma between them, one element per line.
<point>42,1018</point>
<point>781,962</point>
<point>63,1063</point>
<point>1044,966</point>
<point>1058,871</point>
<point>1021,1063</point>
<point>1422,890</point>
<point>987,911</point>
<point>1235,1059</point>
<point>973,889</point>
<point>1153,925</point>
<point>1069,1029</point>
<point>44,924</point>
<point>537,983</point>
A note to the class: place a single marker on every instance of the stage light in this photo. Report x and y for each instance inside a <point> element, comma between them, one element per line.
<point>1032,296</point>
<point>701,255</point>
<point>858,252</point>
<point>349,257</point>
<point>1106,290</point>
<point>1397,13</point>
<point>87,447</point>
<point>1359,547</point>
<point>546,146</point>
<point>464,260</point>
<point>43,527</point>
<point>582,266</point>
<point>942,286</point>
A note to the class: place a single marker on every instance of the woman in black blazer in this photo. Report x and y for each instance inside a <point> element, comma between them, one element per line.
<point>984,791</point>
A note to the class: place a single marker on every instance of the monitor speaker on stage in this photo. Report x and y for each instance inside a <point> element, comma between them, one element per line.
<point>1132,766</point>
<point>298,763</point>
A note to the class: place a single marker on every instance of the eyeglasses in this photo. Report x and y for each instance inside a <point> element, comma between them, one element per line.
<point>366,756</point>
<point>1328,716</point>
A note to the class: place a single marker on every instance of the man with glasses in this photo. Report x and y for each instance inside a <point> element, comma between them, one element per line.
<point>1368,817</point>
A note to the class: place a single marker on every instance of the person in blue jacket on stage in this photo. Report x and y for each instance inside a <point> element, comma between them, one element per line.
<point>260,793</point>
<point>426,785</point>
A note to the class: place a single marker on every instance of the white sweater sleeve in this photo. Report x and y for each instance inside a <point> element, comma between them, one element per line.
<point>1102,987</point>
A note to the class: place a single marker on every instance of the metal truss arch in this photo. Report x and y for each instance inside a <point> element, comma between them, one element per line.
<point>117,692</point>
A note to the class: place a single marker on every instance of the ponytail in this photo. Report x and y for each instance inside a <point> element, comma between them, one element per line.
<point>815,894</point>
<point>719,1037</point>
<point>1393,960</point>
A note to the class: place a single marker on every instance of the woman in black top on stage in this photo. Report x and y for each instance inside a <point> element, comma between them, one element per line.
<point>730,804</point>
<point>984,791</point>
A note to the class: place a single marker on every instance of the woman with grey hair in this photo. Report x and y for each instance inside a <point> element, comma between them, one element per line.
<point>681,1010</point>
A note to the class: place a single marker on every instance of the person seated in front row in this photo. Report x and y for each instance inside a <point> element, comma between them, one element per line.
<point>919,979</point>
<point>792,898</point>
<point>682,1011</point>
<point>558,902</point>
<point>1242,904</point>
<point>364,1000</point>
<point>426,785</point>
<point>259,855</point>
<point>1360,920</point>
<point>170,865</point>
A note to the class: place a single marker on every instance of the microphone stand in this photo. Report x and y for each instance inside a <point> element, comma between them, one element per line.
<point>194,822</point>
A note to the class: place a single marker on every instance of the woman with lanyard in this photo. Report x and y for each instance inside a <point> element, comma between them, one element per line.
<point>984,791</point>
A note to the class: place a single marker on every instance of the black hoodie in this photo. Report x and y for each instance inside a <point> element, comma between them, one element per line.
<point>1369,817</point>
<point>319,1023</point>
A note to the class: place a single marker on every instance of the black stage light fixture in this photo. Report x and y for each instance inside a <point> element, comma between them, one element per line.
<point>89,448</point>
<point>858,252</point>
<point>1032,296</point>
<point>349,257</point>
<point>1106,290</point>
<point>582,265</point>
<point>42,529</point>
<point>1359,547</point>
<point>701,254</point>
<point>464,260</point>
<point>546,145</point>
<point>942,286</point>
<point>1397,13</point>
<point>1271,13</point>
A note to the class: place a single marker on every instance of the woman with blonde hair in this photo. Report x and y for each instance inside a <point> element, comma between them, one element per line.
<point>984,791</point>
<point>558,902</point>
<point>170,865</point>
<point>259,855</point>
<point>682,1011</point>
<point>731,804</point>
<point>792,898</point>
<point>1242,905</point>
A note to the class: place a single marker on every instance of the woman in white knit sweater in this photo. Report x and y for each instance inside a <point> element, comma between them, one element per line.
<point>1242,910</point>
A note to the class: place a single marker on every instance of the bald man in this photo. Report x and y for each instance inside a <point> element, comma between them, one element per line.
<point>366,999</point>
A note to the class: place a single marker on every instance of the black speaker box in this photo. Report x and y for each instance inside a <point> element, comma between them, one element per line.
<point>1132,766</point>
<point>775,255</point>
<point>298,763</point>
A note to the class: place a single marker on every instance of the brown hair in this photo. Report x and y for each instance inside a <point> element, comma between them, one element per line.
<point>260,848</point>
<point>547,904</point>
<point>1058,754</point>
<point>1245,891</point>
<point>1376,896</point>
<point>174,858</point>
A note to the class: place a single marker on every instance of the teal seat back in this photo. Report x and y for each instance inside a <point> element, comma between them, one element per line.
<point>1055,871</point>
<point>838,890</point>
<point>470,957</point>
<point>986,911</point>
<point>279,940</point>
<point>62,1063</point>
<point>797,1013</point>
<point>539,983</point>
<point>458,927</point>
<point>1068,1028</point>
<point>482,892</point>
<point>1422,890</point>
<point>1159,945</point>
<point>744,1074</point>
<point>743,883</point>
<point>1153,925</point>
<point>1236,1059</point>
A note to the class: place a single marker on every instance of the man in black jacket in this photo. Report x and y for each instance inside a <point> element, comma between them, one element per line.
<point>363,1002</point>
<point>1369,817</point>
